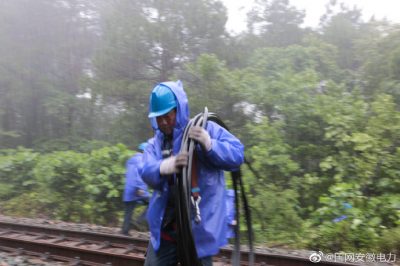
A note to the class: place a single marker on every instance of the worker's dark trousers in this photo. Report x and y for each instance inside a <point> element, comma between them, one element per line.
<point>167,255</point>
<point>129,207</point>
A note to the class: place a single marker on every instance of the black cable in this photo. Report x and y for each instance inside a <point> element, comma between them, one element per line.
<point>187,253</point>
<point>238,187</point>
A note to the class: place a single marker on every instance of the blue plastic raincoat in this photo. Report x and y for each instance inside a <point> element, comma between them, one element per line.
<point>226,154</point>
<point>133,180</point>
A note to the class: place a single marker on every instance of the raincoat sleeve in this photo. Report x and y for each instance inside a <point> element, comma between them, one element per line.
<point>131,168</point>
<point>130,181</point>
<point>151,168</point>
<point>139,185</point>
<point>227,152</point>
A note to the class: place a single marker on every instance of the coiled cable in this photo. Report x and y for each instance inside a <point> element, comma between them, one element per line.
<point>187,253</point>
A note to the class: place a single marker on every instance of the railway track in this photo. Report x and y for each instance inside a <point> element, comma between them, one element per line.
<point>93,248</point>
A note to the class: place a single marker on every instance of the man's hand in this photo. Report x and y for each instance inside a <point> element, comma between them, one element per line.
<point>181,160</point>
<point>201,135</point>
<point>174,164</point>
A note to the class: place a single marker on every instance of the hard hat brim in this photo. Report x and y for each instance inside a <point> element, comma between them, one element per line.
<point>161,112</point>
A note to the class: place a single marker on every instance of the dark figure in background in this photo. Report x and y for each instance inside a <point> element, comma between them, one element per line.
<point>135,191</point>
<point>230,213</point>
<point>217,151</point>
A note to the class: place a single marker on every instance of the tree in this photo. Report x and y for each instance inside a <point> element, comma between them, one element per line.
<point>342,29</point>
<point>210,84</point>
<point>276,22</point>
<point>148,40</point>
<point>381,64</point>
<point>43,57</point>
<point>145,42</point>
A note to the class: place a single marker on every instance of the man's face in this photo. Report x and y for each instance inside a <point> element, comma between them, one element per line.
<point>166,123</point>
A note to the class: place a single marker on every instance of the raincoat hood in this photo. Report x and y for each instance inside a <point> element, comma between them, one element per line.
<point>182,109</point>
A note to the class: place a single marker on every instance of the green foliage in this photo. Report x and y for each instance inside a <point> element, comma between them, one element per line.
<point>271,155</point>
<point>278,23</point>
<point>28,204</point>
<point>327,143</point>
<point>348,220</point>
<point>348,235</point>
<point>380,67</point>
<point>342,30</point>
<point>64,185</point>
<point>156,37</point>
<point>57,176</point>
<point>69,143</point>
<point>390,241</point>
<point>275,217</point>
<point>340,227</point>
<point>103,177</point>
<point>210,84</point>
<point>41,66</point>
<point>16,176</point>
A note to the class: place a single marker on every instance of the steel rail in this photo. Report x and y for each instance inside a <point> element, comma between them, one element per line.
<point>105,253</point>
<point>101,255</point>
<point>47,257</point>
<point>90,236</point>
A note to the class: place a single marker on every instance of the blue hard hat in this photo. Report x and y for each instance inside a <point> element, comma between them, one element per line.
<point>142,146</point>
<point>162,100</point>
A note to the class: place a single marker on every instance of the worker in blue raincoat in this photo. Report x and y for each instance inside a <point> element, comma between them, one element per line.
<point>217,151</point>
<point>136,191</point>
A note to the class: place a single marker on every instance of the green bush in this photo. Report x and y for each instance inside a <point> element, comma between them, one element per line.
<point>59,181</point>
<point>389,242</point>
<point>16,176</point>
<point>66,185</point>
<point>275,217</point>
<point>103,182</point>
